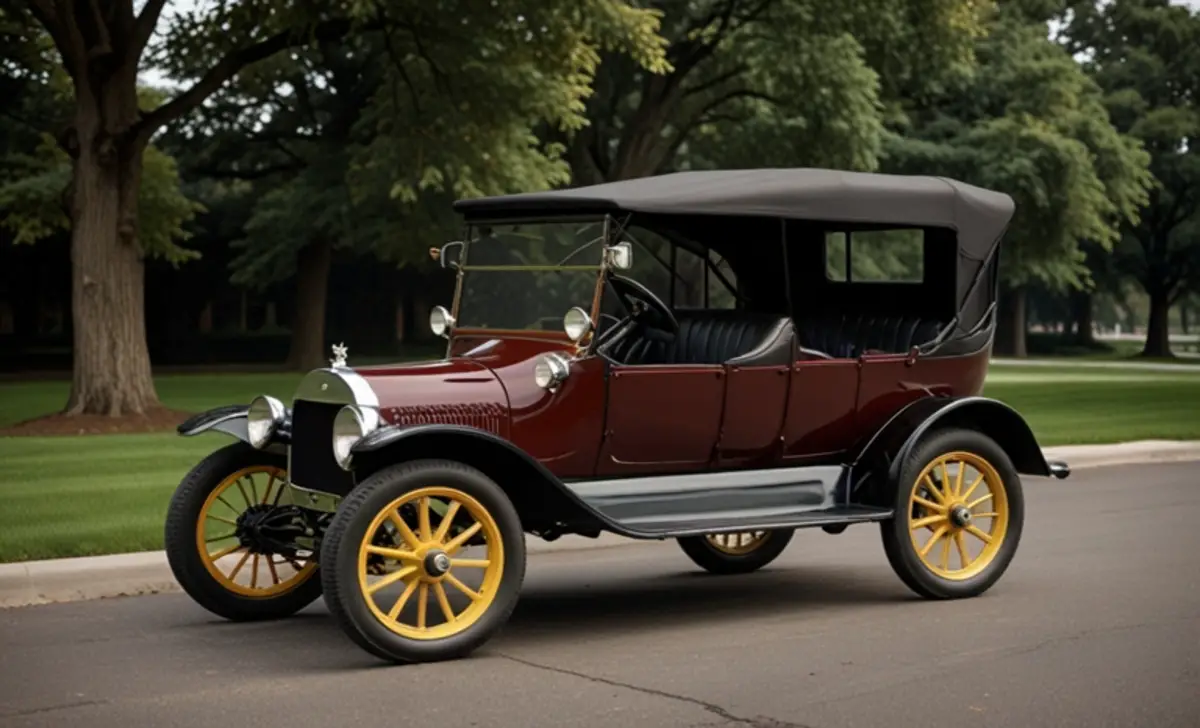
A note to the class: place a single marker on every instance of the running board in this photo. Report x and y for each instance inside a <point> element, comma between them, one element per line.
<point>670,506</point>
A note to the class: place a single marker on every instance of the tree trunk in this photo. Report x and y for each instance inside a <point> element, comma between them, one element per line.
<point>111,360</point>
<point>1158,331</point>
<point>312,289</point>
<point>1183,316</point>
<point>1082,313</point>
<point>1010,330</point>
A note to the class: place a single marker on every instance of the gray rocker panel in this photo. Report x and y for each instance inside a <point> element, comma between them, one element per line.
<point>695,503</point>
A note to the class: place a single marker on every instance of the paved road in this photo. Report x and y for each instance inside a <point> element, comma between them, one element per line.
<point>1096,624</point>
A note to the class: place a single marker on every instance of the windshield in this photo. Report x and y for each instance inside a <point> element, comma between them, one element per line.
<point>527,276</point>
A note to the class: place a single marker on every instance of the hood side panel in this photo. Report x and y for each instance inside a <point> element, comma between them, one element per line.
<point>562,429</point>
<point>454,392</point>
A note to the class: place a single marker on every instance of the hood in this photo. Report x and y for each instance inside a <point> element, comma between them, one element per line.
<point>450,392</point>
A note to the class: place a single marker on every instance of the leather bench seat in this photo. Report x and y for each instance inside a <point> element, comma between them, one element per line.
<point>848,335</point>
<point>716,337</point>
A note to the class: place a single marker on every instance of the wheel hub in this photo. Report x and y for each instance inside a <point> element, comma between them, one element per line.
<point>436,563</point>
<point>268,529</point>
<point>960,516</point>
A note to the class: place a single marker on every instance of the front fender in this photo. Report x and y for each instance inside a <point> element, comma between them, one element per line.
<point>542,500</point>
<point>231,420</point>
<point>992,417</point>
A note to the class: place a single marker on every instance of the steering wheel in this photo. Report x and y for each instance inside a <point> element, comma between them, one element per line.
<point>643,306</point>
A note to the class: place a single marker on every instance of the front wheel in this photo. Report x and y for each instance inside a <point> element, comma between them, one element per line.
<point>399,577</point>
<point>735,553</point>
<point>230,537</point>
<point>959,514</point>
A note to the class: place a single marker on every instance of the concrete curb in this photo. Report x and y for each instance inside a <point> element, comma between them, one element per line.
<point>29,583</point>
<point>97,577</point>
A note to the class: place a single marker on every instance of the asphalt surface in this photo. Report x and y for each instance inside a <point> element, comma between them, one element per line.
<point>1097,623</point>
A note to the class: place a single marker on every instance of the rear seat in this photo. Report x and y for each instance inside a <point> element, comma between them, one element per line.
<point>848,335</point>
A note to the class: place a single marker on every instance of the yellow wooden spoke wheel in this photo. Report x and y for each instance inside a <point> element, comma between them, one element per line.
<point>960,526</point>
<point>433,587</point>
<point>239,523</point>
<point>737,544</point>
<point>958,516</point>
<point>234,541</point>
<point>735,553</point>
<point>423,561</point>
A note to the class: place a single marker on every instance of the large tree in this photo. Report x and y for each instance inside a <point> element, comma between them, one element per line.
<point>1029,122</point>
<point>102,45</point>
<point>1145,54</point>
<point>35,172</point>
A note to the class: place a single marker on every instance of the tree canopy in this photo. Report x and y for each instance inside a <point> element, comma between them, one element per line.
<point>351,138</point>
<point>785,82</point>
<point>1031,123</point>
<point>1145,55</point>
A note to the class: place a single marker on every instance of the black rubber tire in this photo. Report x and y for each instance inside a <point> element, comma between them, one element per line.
<point>897,543</point>
<point>711,559</point>
<point>179,537</point>
<point>339,557</point>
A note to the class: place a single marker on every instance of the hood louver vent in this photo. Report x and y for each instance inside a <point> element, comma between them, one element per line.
<point>489,417</point>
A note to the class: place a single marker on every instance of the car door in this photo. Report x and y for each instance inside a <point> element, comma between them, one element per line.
<point>661,418</point>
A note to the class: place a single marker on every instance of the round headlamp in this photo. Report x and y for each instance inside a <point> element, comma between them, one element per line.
<point>440,321</point>
<point>549,370</point>
<point>577,323</point>
<point>263,420</point>
<point>351,424</point>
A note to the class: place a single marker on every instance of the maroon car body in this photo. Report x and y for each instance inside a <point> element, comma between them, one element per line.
<point>691,355</point>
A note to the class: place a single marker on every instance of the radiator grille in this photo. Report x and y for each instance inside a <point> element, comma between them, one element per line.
<point>312,464</point>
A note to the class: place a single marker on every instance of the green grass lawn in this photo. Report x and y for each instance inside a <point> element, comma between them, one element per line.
<point>1068,406</point>
<point>192,392</point>
<point>75,496</point>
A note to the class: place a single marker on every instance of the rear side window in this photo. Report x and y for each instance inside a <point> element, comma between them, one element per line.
<point>879,256</point>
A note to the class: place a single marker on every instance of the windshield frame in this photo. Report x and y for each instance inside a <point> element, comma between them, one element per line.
<point>600,268</point>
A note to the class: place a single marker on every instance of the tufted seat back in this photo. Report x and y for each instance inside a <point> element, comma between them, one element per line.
<point>848,335</point>
<point>716,337</point>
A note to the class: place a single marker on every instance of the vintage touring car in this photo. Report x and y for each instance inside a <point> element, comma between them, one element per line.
<point>714,357</point>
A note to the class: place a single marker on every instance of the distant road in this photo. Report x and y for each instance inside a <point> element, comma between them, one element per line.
<point>1064,362</point>
<point>1097,623</point>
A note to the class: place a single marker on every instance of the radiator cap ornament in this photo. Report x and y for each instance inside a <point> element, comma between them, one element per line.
<point>339,356</point>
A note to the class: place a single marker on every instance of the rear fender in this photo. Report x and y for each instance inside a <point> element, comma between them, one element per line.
<point>543,502</point>
<point>889,447</point>
<point>231,420</point>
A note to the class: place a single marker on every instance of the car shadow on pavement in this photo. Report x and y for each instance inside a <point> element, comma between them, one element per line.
<point>691,598</point>
<point>597,605</point>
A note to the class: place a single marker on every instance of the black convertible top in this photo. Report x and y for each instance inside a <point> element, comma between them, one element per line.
<point>979,216</point>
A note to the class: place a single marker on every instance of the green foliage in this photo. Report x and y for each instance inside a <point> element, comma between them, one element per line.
<point>817,105</point>
<point>1030,123</point>
<point>36,174</point>
<point>772,82</point>
<point>363,142</point>
<point>32,188</point>
<point>1145,55</point>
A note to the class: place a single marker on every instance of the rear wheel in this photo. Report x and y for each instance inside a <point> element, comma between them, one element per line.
<point>735,553</point>
<point>959,515</point>
<point>230,537</point>
<point>400,570</point>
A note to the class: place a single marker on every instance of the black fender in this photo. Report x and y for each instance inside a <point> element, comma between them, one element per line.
<point>231,420</point>
<point>891,444</point>
<point>544,503</point>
